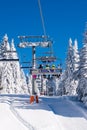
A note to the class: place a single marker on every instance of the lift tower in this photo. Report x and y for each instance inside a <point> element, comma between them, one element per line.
<point>33,42</point>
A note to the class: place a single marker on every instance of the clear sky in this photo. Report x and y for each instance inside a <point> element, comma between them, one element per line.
<point>63,19</point>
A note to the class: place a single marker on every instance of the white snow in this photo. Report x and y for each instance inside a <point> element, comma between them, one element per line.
<point>51,113</point>
<point>8,120</point>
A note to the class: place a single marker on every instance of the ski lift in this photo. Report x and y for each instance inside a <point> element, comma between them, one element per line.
<point>34,42</point>
<point>9,60</point>
<point>45,59</point>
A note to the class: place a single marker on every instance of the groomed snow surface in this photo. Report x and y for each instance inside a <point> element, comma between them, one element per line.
<point>51,113</point>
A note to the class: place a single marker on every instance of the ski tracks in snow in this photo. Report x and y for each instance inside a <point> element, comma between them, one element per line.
<point>18,116</point>
<point>27,124</point>
<point>65,111</point>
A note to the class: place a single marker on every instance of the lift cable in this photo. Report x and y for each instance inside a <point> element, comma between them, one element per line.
<point>42,19</point>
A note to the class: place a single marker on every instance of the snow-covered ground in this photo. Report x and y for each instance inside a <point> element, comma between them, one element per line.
<point>51,113</point>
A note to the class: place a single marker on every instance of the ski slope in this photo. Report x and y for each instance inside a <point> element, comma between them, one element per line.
<point>51,113</point>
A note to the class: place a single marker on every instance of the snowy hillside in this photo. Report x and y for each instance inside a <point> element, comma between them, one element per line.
<point>51,113</point>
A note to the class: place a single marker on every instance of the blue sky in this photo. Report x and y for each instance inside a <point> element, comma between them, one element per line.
<point>63,19</point>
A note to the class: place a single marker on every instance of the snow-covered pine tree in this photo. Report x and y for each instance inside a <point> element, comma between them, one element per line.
<point>69,69</point>
<point>56,89</point>
<point>29,83</point>
<point>68,80</point>
<point>5,47</point>
<point>7,81</point>
<point>24,85</point>
<point>75,56</point>
<point>82,86</point>
<point>0,67</point>
<point>18,75</point>
<point>61,86</point>
<point>75,65</point>
<point>11,80</point>
<point>6,75</point>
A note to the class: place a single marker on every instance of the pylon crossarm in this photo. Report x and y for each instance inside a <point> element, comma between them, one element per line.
<point>30,44</point>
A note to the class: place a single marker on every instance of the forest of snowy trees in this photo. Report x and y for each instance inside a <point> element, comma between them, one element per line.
<point>12,78</point>
<point>73,80</point>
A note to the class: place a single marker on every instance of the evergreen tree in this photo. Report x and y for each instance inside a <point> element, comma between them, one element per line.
<point>1,87</point>
<point>75,64</point>
<point>6,75</point>
<point>82,86</point>
<point>16,68</point>
<point>56,88</point>
<point>75,56</point>
<point>61,91</point>
<point>24,83</point>
<point>29,83</point>
<point>13,51</point>
<point>11,78</point>
<point>69,69</point>
<point>67,79</point>
<point>5,47</point>
<point>7,81</point>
